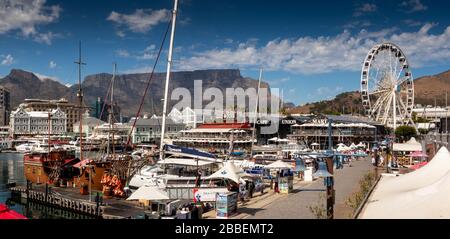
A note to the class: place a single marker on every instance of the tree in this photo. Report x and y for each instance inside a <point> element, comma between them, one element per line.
<point>405,132</point>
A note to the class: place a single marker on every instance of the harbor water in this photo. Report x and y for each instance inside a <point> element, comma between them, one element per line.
<point>11,169</point>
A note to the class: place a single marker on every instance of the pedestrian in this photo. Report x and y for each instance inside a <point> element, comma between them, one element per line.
<point>276,189</point>
<point>252,188</point>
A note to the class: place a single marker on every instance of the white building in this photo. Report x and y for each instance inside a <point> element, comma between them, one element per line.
<point>24,122</point>
<point>88,123</point>
<point>431,113</point>
<point>146,129</point>
<point>187,116</point>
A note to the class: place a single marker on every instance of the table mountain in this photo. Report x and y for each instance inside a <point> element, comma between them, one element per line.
<point>128,89</point>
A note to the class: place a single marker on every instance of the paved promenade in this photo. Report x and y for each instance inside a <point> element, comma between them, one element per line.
<point>296,205</point>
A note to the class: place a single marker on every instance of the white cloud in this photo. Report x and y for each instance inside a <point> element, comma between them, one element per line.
<point>45,77</point>
<point>324,54</point>
<point>365,8</point>
<point>148,53</point>
<point>123,53</point>
<point>46,37</point>
<point>7,60</point>
<point>52,64</point>
<point>413,6</point>
<point>26,15</point>
<point>141,21</point>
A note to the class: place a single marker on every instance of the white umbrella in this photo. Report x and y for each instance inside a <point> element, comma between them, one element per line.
<point>315,144</point>
<point>147,192</point>
<point>278,165</point>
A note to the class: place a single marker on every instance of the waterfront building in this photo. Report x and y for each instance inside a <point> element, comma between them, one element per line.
<point>5,107</point>
<point>433,114</point>
<point>32,123</point>
<point>38,105</point>
<point>345,129</point>
<point>218,137</point>
<point>149,129</point>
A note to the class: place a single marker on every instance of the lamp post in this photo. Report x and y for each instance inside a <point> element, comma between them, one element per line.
<point>325,171</point>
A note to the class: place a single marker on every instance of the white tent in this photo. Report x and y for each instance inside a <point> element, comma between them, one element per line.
<point>410,146</point>
<point>229,171</point>
<point>417,194</point>
<point>361,145</point>
<point>342,148</point>
<point>148,192</point>
<point>353,146</point>
<point>278,165</point>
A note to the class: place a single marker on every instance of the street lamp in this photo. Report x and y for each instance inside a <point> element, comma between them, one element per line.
<point>325,171</point>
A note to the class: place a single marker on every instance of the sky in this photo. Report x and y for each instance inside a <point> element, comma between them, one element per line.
<point>311,50</point>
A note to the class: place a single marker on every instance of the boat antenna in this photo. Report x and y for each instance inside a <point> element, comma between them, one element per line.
<point>80,99</point>
<point>166,89</point>
<point>256,111</point>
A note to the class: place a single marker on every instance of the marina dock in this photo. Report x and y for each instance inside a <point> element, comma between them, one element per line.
<point>71,200</point>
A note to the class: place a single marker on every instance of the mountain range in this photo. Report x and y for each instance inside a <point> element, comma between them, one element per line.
<point>128,88</point>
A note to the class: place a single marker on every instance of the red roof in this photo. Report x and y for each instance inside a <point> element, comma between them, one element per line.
<point>6,213</point>
<point>225,126</point>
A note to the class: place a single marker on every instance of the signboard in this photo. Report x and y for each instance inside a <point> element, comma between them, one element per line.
<point>207,194</point>
<point>291,122</point>
<point>226,204</point>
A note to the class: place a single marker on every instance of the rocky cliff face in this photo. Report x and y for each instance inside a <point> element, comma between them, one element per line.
<point>26,85</point>
<point>128,89</point>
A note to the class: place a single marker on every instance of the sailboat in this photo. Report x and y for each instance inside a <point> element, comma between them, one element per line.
<point>176,165</point>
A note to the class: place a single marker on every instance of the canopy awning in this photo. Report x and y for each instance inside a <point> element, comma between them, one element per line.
<point>419,194</point>
<point>147,192</point>
<point>279,165</point>
<point>417,154</point>
<point>230,171</point>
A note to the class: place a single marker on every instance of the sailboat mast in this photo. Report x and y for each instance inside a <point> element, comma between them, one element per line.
<point>111,110</point>
<point>80,100</point>
<point>256,112</point>
<point>166,89</point>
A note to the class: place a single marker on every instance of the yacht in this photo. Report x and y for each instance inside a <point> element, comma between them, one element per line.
<point>25,147</point>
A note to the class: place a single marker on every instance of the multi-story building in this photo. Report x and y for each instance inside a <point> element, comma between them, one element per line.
<point>30,123</point>
<point>218,137</point>
<point>71,110</point>
<point>433,114</point>
<point>345,129</point>
<point>149,129</point>
<point>5,108</point>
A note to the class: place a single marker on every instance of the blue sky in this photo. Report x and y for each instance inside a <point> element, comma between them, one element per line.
<point>311,50</point>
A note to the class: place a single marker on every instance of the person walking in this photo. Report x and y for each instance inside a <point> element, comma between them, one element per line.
<point>276,189</point>
<point>251,188</point>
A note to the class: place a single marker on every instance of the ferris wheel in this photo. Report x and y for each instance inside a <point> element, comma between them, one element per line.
<point>387,87</point>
